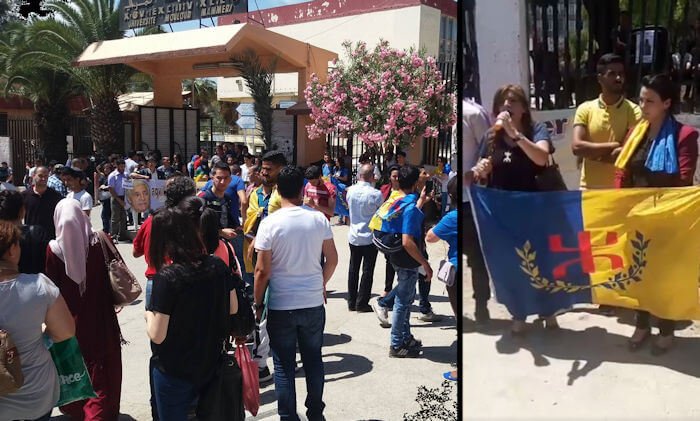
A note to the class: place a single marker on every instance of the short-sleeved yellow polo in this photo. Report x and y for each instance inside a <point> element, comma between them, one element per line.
<point>605,123</point>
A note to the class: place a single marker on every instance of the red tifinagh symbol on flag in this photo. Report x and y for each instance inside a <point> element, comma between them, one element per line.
<point>585,250</point>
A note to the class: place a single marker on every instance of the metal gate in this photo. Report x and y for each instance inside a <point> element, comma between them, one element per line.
<point>24,141</point>
<point>567,37</point>
<point>170,130</point>
<point>470,59</point>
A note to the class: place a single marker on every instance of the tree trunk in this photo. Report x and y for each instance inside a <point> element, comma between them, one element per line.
<point>52,127</point>
<point>107,126</point>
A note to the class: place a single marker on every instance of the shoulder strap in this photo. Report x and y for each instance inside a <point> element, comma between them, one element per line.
<point>232,260</point>
<point>104,241</point>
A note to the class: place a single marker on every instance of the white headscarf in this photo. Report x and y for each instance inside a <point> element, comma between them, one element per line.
<point>74,236</point>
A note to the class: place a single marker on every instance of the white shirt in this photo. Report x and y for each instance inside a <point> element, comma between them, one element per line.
<point>244,173</point>
<point>83,197</point>
<point>130,166</point>
<point>363,201</point>
<point>295,237</point>
<point>475,123</point>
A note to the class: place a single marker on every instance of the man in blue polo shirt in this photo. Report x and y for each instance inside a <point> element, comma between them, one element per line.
<point>238,206</point>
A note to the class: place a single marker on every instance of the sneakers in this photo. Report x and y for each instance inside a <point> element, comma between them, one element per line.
<point>381,312</point>
<point>264,375</point>
<point>404,352</point>
<point>414,343</point>
<point>429,317</point>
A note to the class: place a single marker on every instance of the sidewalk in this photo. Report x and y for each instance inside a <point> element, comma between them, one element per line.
<point>581,371</point>
<point>362,382</point>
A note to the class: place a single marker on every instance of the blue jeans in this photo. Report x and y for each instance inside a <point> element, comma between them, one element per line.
<point>423,293</point>
<point>401,316</point>
<point>149,290</point>
<point>238,248</point>
<point>286,328</point>
<point>174,396</point>
<point>106,214</point>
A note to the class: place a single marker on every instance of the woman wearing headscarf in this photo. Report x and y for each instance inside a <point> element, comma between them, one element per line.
<point>75,263</point>
<point>658,152</point>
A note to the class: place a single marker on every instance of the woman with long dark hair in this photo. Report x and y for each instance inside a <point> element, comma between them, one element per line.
<point>513,153</point>
<point>188,317</point>
<point>658,152</point>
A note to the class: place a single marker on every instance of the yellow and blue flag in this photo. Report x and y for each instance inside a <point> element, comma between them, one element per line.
<point>633,248</point>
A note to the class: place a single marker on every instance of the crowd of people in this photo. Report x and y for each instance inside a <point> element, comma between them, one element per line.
<point>226,238</point>
<point>619,144</point>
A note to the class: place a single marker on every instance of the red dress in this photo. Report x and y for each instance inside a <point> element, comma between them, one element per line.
<point>98,333</point>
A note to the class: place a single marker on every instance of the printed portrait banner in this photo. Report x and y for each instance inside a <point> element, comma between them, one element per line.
<point>142,195</point>
<point>633,248</point>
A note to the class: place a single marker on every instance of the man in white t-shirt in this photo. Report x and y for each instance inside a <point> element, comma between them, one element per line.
<point>291,271</point>
<point>72,178</point>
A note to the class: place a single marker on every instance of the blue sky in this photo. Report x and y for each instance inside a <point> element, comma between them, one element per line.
<point>252,6</point>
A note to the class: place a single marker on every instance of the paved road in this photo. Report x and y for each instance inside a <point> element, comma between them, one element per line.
<point>582,371</point>
<point>362,382</point>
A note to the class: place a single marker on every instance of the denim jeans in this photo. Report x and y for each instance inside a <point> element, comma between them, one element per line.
<point>238,248</point>
<point>423,293</point>
<point>286,328</point>
<point>174,396</point>
<point>149,290</point>
<point>106,214</point>
<point>401,316</point>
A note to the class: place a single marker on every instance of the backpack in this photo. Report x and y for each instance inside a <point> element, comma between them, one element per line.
<point>242,323</point>
<point>11,377</point>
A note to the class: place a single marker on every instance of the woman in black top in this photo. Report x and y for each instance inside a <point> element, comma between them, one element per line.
<point>188,316</point>
<point>513,153</point>
<point>34,239</point>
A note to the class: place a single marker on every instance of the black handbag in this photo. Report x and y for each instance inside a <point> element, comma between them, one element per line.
<point>550,178</point>
<point>222,398</point>
<point>242,323</point>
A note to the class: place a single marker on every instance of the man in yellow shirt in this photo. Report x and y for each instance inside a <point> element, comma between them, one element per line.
<point>264,201</point>
<point>600,125</point>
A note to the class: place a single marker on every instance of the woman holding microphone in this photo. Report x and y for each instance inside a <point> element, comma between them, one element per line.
<point>514,151</point>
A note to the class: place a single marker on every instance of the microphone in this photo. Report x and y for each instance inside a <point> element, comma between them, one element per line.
<point>498,125</point>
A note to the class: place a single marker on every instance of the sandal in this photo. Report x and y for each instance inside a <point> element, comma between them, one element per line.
<point>451,375</point>
<point>658,350</point>
<point>518,328</point>
<point>635,345</point>
<point>551,323</point>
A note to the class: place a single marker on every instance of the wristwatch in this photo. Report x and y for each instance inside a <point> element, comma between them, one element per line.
<point>259,306</point>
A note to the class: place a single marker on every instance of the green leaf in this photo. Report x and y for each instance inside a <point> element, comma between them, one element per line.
<point>520,253</point>
<point>637,245</point>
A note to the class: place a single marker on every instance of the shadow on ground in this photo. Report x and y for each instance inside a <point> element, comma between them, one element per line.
<point>588,349</point>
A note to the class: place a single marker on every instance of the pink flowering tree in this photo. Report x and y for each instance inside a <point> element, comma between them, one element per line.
<point>385,96</point>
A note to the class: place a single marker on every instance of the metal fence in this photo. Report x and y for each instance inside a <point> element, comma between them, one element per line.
<point>567,37</point>
<point>24,138</point>
<point>470,59</point>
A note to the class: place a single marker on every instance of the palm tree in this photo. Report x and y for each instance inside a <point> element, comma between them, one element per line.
<point>46,87</point>
<point>61,37</point>
<point>204,95</point>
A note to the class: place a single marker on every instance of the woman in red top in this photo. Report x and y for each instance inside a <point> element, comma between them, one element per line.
<point>658,152</point>
<point>75,263</point>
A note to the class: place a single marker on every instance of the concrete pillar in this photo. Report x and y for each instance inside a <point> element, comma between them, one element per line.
<point>167,91</point>
<point>501,36</point>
